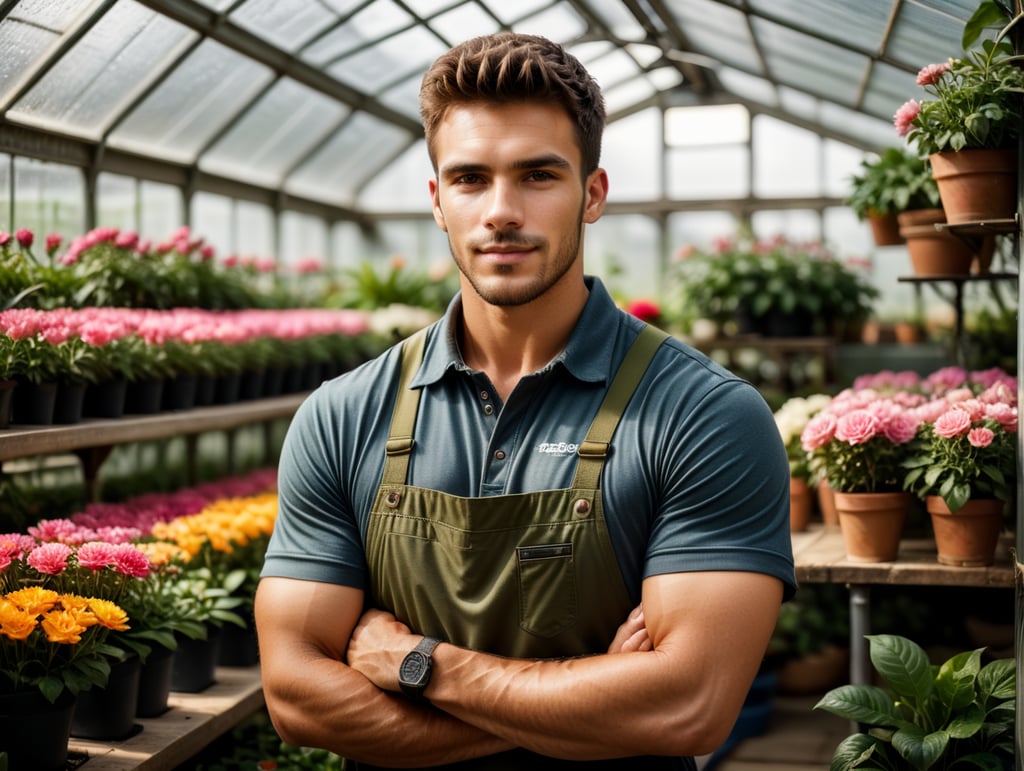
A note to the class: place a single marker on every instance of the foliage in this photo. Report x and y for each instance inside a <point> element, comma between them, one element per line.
<point>927,716</point>
<point>817,616</point>
<point>975,100</point>
<point>367,287</point>
<point>255,744</point>
<point>744,274</point>
<point>893,182</point>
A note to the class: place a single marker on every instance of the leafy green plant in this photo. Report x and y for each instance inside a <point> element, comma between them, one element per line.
<point>890,183</point>
<point>959,714</point>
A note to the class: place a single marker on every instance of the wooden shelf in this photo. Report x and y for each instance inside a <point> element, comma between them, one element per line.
<point>22,441</point>
<point>193,721</point>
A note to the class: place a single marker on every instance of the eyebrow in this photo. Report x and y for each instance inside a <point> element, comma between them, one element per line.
<point>539,162</point>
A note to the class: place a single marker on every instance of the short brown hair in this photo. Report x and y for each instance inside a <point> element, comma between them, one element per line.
<point>510,67</point>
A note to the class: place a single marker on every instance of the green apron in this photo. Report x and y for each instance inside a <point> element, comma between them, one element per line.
<point>527,575</point>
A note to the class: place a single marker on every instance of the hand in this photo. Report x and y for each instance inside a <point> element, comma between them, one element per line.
<point>632,634</point>
<point>377,646</point>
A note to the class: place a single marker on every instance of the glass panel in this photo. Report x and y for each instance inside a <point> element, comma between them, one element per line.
<point>807,63</point>
<point>464,22</point>
<point>860,24</point>
<point>204,92</point>
<point>619,20</point>
<point>163,210</point>
<point>393,58</point>
<point>510,12</point>
<point>117,202</point>
<point>888,88</point>
<point>865,130</point>
<point>211,219</point>
<point>623,250</point>
<point>48,198</point>
<point>626,95</point>
<point>711,125</point>
<point>426,8</point>
<point>103,71</point>
<point>794,224</point>
<point>922,36</point>
<point>561,17</point>
<point>609,68</point>
<point>254,229</point>
<point>378,19</point>
<point>841,162</point>
<point>698,230</point>
<point>217,5</point>
<point>708,173</point>
<point>630,154</point>
<point>716,31</point>
<point>26,35</point>
<point>302,236</point>
<point>402,184</point>
<point>786,159</point>
<point>420,244</point>
<point>348,245</point>
<point>405,96</point>
<point>274,134</point>
<point>288,24</point>
<point>346,161</point>
<point>665,78</point>
<point>747,86</point>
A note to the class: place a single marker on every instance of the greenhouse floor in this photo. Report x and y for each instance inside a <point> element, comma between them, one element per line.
<point>798,738</point>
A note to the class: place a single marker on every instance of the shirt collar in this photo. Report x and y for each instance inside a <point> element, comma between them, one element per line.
<point>587,355</point>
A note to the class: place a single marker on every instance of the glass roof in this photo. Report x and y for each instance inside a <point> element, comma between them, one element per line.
<point>315,98</point>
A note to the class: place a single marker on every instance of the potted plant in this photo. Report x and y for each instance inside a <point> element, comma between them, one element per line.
<point>791,419</point>
<point>895,181</point>
<point>958,714</point>
<point>858,443</point>
<point>963,465</point>
<point>969,128</point>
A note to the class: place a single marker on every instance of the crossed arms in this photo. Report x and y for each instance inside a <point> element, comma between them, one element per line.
<point>672,683</point>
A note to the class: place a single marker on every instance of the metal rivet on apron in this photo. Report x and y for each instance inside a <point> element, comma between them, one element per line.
<point>392,500</point>
<point>488,409</point>
<point>582,507</point>
<point>484,395</point>
<point>500,455</point>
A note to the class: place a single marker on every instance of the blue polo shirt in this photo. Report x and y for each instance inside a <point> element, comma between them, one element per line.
<point>697,478</point>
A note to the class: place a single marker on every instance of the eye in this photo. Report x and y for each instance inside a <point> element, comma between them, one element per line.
<point>540,175</point>
<point>468,179</point>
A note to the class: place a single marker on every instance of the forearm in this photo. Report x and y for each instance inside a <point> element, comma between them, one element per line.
<point>327,704</point>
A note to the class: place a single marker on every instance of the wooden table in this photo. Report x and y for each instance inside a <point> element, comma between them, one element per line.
<point>193,721</point>
<point>820,557</point>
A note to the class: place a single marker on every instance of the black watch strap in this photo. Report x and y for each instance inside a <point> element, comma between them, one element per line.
<point>427,645</point>
<point>414,675</point>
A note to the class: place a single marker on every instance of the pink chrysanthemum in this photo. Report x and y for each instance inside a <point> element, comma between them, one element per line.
<point>130,561</point>
<point>904,117</point>
<point>95,555</point>
<point>931,74</point>
<point>50,558</point>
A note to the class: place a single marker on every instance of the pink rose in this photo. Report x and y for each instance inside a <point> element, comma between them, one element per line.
<point>818,432</point>
<point>952,423</point>
<point>857,427</point>
<point>901,428</point>
<point>980,437</point>
<point>904,117</point>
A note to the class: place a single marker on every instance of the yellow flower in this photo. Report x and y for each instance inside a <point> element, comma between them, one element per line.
<point>16,624</point>
<point>109,614</point>
<point>34,599</point>
<point>161,553</point>
<point>63,626</point>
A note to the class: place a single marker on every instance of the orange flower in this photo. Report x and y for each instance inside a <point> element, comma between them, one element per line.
<point>109,614</point>
<point>63,626</point>
<point>16,624</point>
<point>34,599</point>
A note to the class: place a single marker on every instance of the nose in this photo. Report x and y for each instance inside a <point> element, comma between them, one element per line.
<point>504,206</point>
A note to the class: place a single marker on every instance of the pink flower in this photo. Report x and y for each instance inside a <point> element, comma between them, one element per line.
<point>857,427</point>
<point>130,561</point>
<point>53,242</point>
<point>95,555</point>
<point>901,428</point>
<point>50,558</point>
<point>25,237</point>
<point>1004,414</point>
<point>980,437</point>
<point>953,423</point>
<point>904,117</point>
<point>5,238</point>
<point>645,310</point>
<point>931,74</point>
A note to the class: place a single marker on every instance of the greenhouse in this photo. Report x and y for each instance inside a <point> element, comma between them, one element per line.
<point>226,226</point>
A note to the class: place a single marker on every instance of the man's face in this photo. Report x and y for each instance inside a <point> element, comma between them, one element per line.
<point>510,196</point>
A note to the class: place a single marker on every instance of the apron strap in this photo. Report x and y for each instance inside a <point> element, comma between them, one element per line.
<point>592,451</point>
<point>403,420</point>
<point>597,444</point>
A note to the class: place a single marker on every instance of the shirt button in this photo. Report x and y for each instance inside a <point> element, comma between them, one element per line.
<point>488,409</point>
<point>484,395</point>
<point>500,455</point>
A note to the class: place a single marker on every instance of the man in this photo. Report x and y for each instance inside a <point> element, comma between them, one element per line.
<point>589,568</point>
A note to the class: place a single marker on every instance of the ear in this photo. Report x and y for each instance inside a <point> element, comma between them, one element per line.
<point>435,204</point>
<point>595,191</point>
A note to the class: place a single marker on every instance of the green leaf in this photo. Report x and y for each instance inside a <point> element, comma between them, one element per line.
<point>967,723</point>
<point>863,703</point>
<point>920,749</point>
<point>988,14</point>
<point>998,679</point>
<point>904,666</point>
<point>854,752</point>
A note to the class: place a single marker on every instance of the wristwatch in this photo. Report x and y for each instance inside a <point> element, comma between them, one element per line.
<point>414,674</point>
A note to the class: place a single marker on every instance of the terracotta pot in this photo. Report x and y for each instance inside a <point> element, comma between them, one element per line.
<point>968,537</point>
<point>885,229</point>
<point>934,252</point>
<point>800,504</point>
<point>827,504</point>
<point>976,185</point>
<point>872,524</point>
<point>815,672</point>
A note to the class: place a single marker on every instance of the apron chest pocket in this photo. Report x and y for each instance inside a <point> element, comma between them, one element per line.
<point>547,588</point>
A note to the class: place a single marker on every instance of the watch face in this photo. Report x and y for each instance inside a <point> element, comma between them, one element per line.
<point>414,667</point>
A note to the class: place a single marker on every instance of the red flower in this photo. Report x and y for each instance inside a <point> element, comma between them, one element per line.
<point>25,237</point>
<point>645,310</point>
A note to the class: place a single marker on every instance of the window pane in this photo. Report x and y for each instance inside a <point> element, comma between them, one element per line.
<point>630,153</point>
<point>27,34</point>
<point>285,23</point>
<point>302,236</point>
<point>116,201</point>
<point>712,125</point>
<point>211,219</point>
<point>254,229</point>
<point>624,251</point>
<point>376,20</point>
<point>794,224</point>
<point>786,159</point>
<point>708,172</point>
<point>402,184</point>
<point>409,52</point>
<point>162,210</point>
<point>48,197</point>
<point>103,71</point>
<point>6,203</point>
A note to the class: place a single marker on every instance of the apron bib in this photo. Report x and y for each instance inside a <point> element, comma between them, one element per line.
<point>527,575</point>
